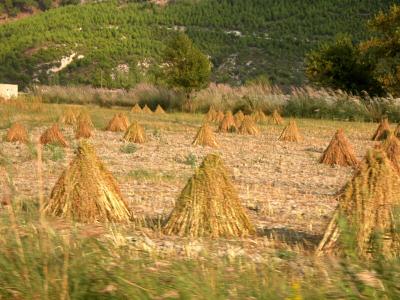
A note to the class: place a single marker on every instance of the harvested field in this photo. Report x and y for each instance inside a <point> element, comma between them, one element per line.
<point>283,188</point>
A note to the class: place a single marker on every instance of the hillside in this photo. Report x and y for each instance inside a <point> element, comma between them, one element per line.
<point>116,44</point>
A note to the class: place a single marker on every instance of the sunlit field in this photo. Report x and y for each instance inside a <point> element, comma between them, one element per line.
<point>287,194</point>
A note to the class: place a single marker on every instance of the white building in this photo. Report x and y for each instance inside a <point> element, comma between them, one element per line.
<point>8,91</point>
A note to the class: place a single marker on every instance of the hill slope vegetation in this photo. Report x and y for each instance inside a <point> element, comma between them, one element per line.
<point>116,44</point>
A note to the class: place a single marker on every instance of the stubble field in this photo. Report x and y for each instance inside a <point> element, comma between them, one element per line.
<point>289,196</point>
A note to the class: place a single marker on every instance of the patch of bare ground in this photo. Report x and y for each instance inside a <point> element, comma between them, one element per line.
<point>286,192</point>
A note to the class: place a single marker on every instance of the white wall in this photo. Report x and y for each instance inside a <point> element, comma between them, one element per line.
<point>8,91</point>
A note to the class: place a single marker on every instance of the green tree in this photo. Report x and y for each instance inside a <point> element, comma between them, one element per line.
<point>340,65</point>
<point>186,67</point>
<point>384,48</point>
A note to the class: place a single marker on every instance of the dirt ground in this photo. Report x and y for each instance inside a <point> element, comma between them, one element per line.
<point>286,191</point>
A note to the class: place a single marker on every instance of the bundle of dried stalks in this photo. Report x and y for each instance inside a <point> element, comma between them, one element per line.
<point>383,130</point>
<point>339,152</point>
<point>136,109</point>
<point>211,115</point>
<point>248,126</point>
<point>239,116</point>
<point>83,130</point>
<point>159,110</point>
<point>290,133</point>
<point>219,116</point>
<point>53,135</point>
<point>87,192</point>
<point>209,205</point>
<point>397,131</point>
<point>117,123</point>
<point>367,210</point>
<point>146,110</point>
<point>392,148</point>
<point>84,117</point>
<point>276,118</point>
<point>69,117</point>
<point>205,137</point>
<point>135,134</point>
<point>228,123</point>
<point>259,116</point>
<point>17,133</point>
<point>124,120</point>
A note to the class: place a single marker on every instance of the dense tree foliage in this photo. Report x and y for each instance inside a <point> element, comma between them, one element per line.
<point>118,44</point>
<point>372,65</point>
<point>340,65</point>
<point>383,48</point>
<point>186,67</point>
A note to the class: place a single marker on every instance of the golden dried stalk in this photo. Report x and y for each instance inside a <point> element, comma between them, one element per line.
<point>339,152</point>
<point>146,110</point>
<point>239,117</point>
<point>205,137</point>
<point>290,133</point>
<point>117,123</point>
<point>69,117</point>
<point>87,192</point>
<point>392,148</point>
<point>276,118</point>
<point>135,134</point>
<point>125,120</point>
<point>397,131</point>
<point>211,115</point>
<point>84,117</point>
<point>83,130</point>
<point>367,206</point>
<point>248,126</point>
<point>53,135</point>
<point>209,205</point>
<point>382,131</point>
<point>17,133</point>
<point>159,110</point>
<point>136,109</point>
<point>219,116</point>
<point>259,116</point>
<point>228,123</point>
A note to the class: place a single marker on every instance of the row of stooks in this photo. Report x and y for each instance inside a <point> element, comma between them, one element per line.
<point>209,205</point>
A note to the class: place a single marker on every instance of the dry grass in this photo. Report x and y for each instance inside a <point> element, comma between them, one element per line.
<point>118,123</point>
<point>339,152</point>
<point>397,131</point>
<point>248,126</point>
<point>69,117</point>
<point>147,110</point>
<point>83,130</point>
<point>84,117</point>
<point>136,109</point>
<point>209,205</point>
<point>367,205</point>
<point>392,148</point>
<point>87,192</point>
<point>159,110</point>
<point>259,116</point>
<point>211,115</point>
<point>291,133</point>
<point>276,118</point>
<point>17,133</point>
<point>383,130</point>
<point>239,117</point>
<point>228,123</point>
<point>219,116</point>
<point>54,136</point>
<point>205,137</point>
<point>135,134</point>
